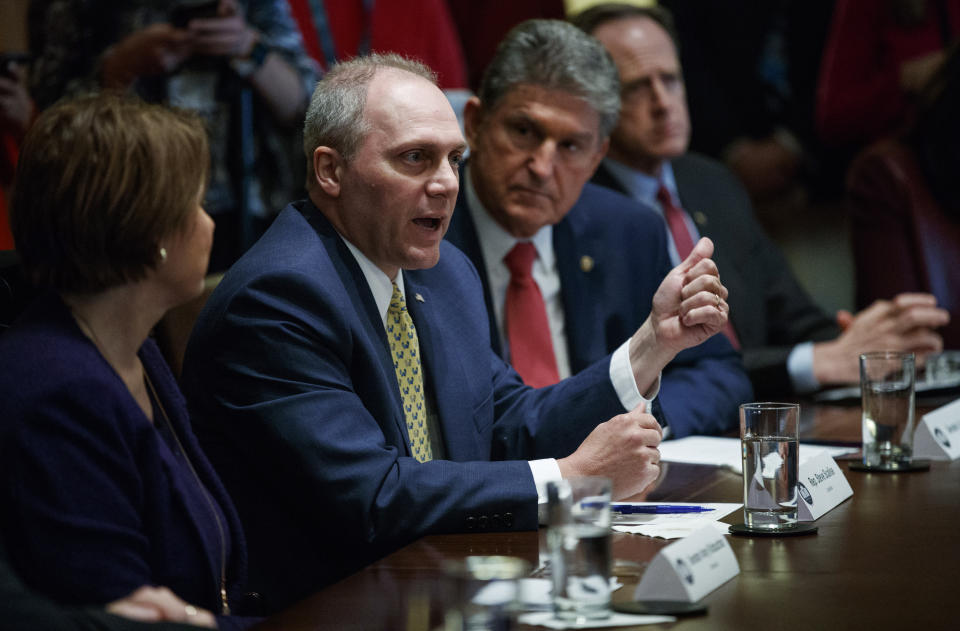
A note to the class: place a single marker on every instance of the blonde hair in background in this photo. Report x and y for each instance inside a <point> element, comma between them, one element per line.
<point>573,7</point>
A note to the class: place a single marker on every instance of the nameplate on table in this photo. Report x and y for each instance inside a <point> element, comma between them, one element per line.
<point>938,434</point>
<point>689,569</point>
<point>821,487</point>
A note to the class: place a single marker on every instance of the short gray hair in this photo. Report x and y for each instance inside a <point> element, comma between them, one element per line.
<point>335,116</point>
<point>557,56</point>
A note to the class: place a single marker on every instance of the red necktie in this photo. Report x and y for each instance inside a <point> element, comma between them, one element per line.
<point>531,348</point>
<point>684,243</point>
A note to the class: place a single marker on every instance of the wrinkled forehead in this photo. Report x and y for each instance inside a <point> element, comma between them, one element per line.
<point>638,46</point>
<point>400,105</point>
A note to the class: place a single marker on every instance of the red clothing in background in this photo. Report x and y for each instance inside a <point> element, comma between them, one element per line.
<point>8,161</point>
<point>483,24</point>
<point>859,97</point>
<point>422,29</point>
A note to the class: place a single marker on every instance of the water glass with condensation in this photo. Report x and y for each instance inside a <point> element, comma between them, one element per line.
<point>485,593</point>
<point>887,380</point>
<point>770,449</point>
<point>579,541</point>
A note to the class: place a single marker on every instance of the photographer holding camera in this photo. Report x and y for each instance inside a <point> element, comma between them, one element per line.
<point>240,64</point>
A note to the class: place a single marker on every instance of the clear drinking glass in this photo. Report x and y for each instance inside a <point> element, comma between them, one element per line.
<point>485,592</point>
<point>887,380</point>
<point>769,445</point>
<point>579,541</point>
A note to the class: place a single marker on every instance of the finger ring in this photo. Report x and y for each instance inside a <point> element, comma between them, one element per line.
<point>190,610</point>
<point>717,296</point>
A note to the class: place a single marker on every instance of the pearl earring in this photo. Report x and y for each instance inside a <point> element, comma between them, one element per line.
<point>163,255</point>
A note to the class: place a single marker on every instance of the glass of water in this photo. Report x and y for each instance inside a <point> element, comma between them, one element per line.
<point>579,541</point>
<point>769,445</point>
<point>887,381</point>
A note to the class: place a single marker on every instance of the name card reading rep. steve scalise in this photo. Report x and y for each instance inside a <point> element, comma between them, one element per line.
<point>938,435</point>
<point>821,487</point>
<point>689,569</point>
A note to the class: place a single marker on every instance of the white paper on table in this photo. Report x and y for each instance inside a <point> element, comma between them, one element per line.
<point>675,530</point>
<point>725,452</point>
<point>616,619</point>
<point>672,525</point>
<point>535,593</point>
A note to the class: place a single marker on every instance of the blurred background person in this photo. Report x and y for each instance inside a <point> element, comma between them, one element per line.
<point>421,29</point>
<point>241,65</point>
<point>878,56</point>
<point>790,345</point>
<point>16,107</point>
<point>904,197</point>
<point>104,486</point>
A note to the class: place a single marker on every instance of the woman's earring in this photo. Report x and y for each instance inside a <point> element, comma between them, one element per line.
<point>163,255</point>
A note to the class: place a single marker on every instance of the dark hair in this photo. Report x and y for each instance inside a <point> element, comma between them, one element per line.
<point>935,134</point>
<point>591,19</point>
<point>554,55</point>
<point>101,181</point>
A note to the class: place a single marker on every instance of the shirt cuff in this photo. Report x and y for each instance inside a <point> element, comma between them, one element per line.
<point>546,470</point>
<point>800,368</point>
<point>624,383</point>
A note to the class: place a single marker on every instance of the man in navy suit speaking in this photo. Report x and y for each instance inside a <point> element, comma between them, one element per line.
<point>341,375</point>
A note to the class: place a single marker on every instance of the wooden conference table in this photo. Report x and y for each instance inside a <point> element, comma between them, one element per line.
<point>887,558</point>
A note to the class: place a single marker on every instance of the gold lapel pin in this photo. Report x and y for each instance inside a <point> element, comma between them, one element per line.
<point>700,218</point>
<point>418,297</point>
<point>586,263</point>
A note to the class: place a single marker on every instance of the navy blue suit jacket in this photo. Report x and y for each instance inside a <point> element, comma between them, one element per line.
<point>97,503</point>
<point>605,303</point>
<point>292,385</point>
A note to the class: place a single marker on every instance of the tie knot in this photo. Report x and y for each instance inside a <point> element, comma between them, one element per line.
<point>396,300</point>
<point>664,197</point>
<point>520,259</point>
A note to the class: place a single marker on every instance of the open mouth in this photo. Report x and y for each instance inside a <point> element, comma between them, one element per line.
<point>431,223</point>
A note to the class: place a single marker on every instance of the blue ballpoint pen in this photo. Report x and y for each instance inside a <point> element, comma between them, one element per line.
<point>657,509</point>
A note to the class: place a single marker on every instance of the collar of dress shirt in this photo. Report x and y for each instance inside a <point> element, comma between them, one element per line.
<point>641,186</point>
<point>495,242</point>
<point>381,286</point>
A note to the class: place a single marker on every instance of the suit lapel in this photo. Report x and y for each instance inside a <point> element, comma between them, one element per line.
<point>577,259</point>
<point>370,320</point>
<point>463,234</point>
<point>442,372</point>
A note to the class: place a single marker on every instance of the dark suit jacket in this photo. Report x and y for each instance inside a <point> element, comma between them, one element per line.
<point>96,502</point>
<point>605,304</point>
<point>771,312</point>
<point>289,374</point>
<point>21,608</point>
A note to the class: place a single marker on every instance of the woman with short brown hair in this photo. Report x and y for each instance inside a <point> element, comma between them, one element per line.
<point>104,486</point>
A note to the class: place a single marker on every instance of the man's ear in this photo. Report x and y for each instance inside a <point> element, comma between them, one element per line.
<point>472,119</point>
<point>327,170</point>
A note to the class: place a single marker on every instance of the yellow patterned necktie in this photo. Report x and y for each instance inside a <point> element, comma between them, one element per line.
<point>405,348</point>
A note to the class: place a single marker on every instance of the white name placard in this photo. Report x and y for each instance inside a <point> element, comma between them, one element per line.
<point>821,486</point>
<point>689,569</point>
<point>938,435</point>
